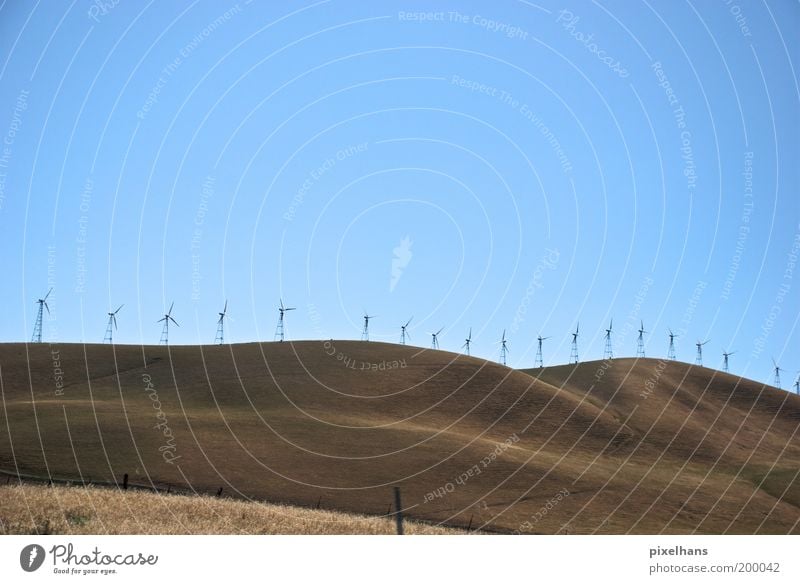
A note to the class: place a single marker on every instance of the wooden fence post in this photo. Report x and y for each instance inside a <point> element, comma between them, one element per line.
<point>219,493</point>
<point>125,482</point>
<point>398,511</point>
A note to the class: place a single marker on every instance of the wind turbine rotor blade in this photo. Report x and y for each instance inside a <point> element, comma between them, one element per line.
<point>48,294</point>
<point>47,307</point>
<point>175,321</point>
<point>114,318</point>
<point>118,309</point>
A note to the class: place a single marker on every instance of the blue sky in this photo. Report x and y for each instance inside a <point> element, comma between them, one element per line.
<point>497,166</point>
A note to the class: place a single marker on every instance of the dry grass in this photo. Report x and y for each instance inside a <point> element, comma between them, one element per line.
<point>39,509</point>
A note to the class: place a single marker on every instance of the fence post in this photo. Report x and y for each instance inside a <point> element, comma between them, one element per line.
<point>398,511</point>
<point>125,482</point>
<point>219,493</point>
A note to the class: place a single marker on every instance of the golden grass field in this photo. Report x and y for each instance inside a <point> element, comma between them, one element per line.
<point>625,446</point>
<point>40,509</point>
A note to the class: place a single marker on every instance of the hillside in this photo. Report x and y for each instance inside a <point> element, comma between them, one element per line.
<point>63,510</point>
<point>340,423</point>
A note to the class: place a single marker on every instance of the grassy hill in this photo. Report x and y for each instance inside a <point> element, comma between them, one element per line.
<point>611,447</point>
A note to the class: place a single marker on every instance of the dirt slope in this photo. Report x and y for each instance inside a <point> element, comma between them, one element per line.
<point>340,423</point>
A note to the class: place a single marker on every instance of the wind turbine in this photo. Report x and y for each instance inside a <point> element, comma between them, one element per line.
<point>573,357</point>
<point>539,359</point>
<point>699,359</point>
<point>777,374</point>
<point>435,339</point>
<point>220,337</point>
<point>112,319</point>
<point>404,333</point>
<point>282,310</point>
<point>365,332</point>
<point>608,353</point>
<point>797,384</point>
<point>165,331</point>
<point>503,348</point>
<point>37,328</point>
<point>725,360</point>
<point>671,351</point>
<point>467,342</point>
<point>640,340</point>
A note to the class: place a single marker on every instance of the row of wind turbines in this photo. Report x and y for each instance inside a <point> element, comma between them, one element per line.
<point>608,352</point>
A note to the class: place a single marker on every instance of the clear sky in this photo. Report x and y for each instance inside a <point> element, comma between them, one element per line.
<point>496,165</point>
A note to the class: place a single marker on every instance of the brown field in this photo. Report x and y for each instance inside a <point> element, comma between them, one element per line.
<point>43,510</point>
<point>588,448</point>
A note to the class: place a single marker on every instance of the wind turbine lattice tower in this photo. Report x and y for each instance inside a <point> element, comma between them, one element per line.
<point>165,330</point>
<point>608,353</point>
<point>573,356</point>
<point>112,321</point>
<point>37,327</point>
